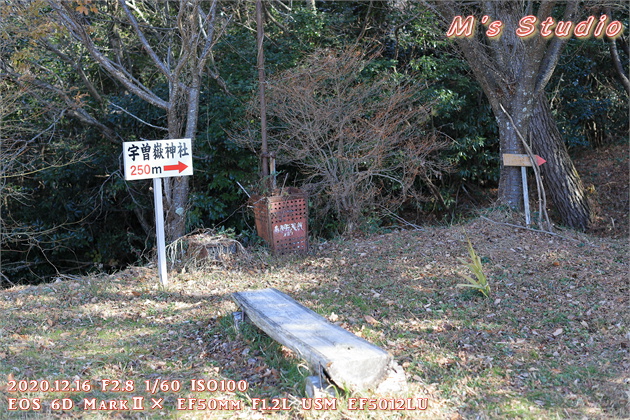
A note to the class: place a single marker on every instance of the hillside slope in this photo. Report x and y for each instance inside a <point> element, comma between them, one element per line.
<point>552,341</point>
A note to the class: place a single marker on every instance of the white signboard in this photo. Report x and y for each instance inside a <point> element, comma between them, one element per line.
<point>157,158</point>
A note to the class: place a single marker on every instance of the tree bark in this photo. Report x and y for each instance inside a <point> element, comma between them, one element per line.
<point>562,179</point>
<point>176,191</point>
<point>614,55</point>
<point>510,183</point>
<point>513,72</point>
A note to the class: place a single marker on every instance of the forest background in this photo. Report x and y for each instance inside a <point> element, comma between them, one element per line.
<point>65,206</point>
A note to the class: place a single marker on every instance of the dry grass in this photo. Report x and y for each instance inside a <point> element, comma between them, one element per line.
<point>552,341</point>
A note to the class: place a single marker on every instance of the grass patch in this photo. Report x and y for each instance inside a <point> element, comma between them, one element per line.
<point>550,342</point>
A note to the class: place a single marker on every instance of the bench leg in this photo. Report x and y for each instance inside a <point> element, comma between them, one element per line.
<point>316,389</point>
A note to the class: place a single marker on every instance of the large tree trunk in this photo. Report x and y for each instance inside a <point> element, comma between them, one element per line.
<point>176,191</point>
<point>510,182</point>
<point>513,72</point>
<point>560,176</point>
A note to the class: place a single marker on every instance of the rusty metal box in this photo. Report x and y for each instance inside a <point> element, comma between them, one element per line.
<point>282,220</point>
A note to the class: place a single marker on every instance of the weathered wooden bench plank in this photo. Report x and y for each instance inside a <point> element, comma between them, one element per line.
<point>347,360</point>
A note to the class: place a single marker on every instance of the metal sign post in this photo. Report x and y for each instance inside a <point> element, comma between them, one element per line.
<point>528,219</point>
<point>155,160</point>
<point>159,230</point>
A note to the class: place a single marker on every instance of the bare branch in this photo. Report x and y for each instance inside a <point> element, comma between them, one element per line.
<point>143,40</point>
<point>73,108</point>
<point>75,65</point>
<point>359,144</point>
<point>548,64</point>
<point>137,118</point>
<point>614,54</point>
<point>78,32</point>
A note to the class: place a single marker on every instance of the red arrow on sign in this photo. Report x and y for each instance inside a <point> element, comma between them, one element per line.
<point>539,160</point>
<point>179,167</point>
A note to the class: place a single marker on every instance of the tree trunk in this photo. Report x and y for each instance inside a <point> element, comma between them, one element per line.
<point>513,72</point>
<point>510,183</point>
<point>176,191</point>
<point>559,174</point>
<point>180,54</point>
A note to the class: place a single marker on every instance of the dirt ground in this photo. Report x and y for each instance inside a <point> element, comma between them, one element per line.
<point>551,341</point>
<point>605,174</point>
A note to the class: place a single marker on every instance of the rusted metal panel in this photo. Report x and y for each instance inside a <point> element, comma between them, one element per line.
<point>282,220</point>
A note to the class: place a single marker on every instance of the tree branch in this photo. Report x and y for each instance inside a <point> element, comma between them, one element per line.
<point>79,33</point>
<point>75,65</point>
<point>473,50</point>
<point>614,55</point>
<point>138,118</point>
<point>208,21</point>
<point>145,44</point>
<point>72,107</point>
<point>549,61</point>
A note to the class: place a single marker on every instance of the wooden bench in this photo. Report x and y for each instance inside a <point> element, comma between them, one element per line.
<point>348,361</point>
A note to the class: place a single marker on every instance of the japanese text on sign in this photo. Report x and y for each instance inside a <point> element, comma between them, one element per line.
<point>288,229</point>
<point>157,159</point>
